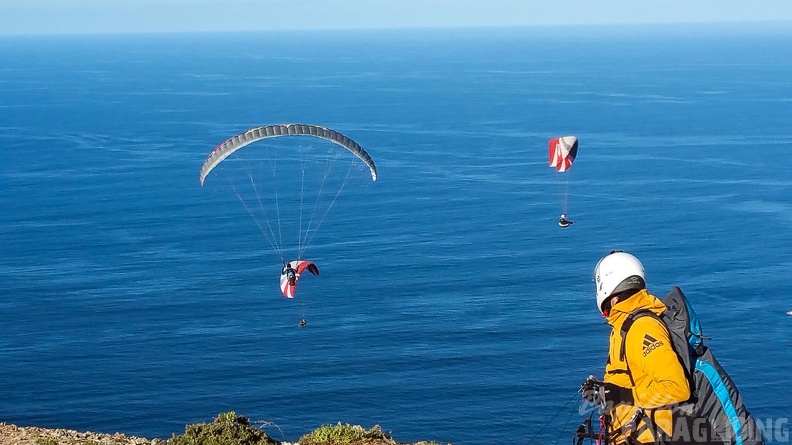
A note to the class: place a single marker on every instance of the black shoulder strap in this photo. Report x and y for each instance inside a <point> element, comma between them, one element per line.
<point>625,328</point>
<point>648,421</point>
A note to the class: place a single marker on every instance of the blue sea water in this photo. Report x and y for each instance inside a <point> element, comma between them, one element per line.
<point>450,305</point>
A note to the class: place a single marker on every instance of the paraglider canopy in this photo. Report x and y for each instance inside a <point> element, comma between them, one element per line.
<point>562,152</point>
<point>288,280</point>
<point>229,146</point>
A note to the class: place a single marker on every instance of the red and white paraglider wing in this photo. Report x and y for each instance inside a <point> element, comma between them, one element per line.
<point>299,267</point>
<point>553,153</point>
<point>286,287</point>
<point>302,266</point>
<point>562,152</point>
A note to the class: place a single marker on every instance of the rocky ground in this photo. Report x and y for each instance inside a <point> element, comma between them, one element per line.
<point>15,435</point>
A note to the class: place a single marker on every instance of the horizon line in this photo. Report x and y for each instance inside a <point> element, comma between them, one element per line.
<point>776,23</point>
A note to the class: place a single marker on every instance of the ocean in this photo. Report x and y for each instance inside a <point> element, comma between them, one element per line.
<point>450,305</point>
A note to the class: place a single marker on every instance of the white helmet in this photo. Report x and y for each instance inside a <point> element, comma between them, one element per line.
<point>617,272</point>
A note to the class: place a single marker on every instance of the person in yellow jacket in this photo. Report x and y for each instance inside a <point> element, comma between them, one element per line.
<point>643,375</point>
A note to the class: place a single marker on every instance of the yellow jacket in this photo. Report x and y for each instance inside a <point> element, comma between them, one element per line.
<point>655,378</point>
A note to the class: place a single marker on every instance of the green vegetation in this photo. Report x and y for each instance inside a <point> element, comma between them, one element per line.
<point>231,429</point>
<point>346,434</point>
<point>226,429</point>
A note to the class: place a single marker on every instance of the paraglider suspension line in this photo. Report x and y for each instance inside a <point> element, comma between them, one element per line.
<point>531,439</point>
<point>252,215</point>
<point>309,237</point>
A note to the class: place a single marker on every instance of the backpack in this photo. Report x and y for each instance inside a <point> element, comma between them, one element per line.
<point>714,396</point>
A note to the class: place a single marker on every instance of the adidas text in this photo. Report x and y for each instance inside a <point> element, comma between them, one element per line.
<point>651,347</point>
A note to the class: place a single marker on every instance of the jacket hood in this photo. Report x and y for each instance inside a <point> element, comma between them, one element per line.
<point>640,300</point>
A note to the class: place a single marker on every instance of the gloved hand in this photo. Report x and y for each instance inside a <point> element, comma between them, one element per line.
<point>593,390</point>
<point>598,392</point>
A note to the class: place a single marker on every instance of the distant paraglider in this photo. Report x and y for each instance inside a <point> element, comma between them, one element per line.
<point>289,185</point>
<point>564,222</point>
<point>561,154</point>
<point>290,274</point>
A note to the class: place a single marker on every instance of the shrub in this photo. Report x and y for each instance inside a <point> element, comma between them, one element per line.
<point>226,429</point>
<point>345,434</point>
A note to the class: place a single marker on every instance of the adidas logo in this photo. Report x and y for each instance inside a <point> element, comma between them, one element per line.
<point>650,344</point>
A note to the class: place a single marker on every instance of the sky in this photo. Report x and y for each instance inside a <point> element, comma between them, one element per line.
<point>142,16</point>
